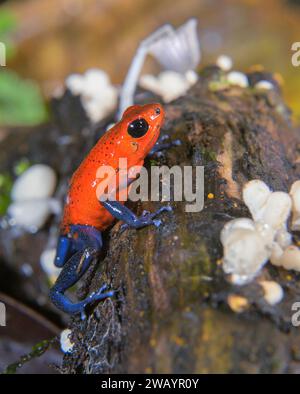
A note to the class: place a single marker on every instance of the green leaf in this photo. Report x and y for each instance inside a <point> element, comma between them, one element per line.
<point>21,102</point>
<point>8,22</point>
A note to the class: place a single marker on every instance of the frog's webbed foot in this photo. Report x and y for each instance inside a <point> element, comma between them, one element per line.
<point>121,212</point>
<point>148,218</point>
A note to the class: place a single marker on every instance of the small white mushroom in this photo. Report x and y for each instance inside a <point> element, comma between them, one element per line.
<point>255,196</point>
<point>238,223</point>
<point>47,264</point>
<point>192,77</point>
<point>237,78</point>
<point>266,85</point>
<point>38,181</point>
<point>266,232</point>
<point>75,83</point>
<point>273,292</point>
<point>276,254</point>
<point>290,258</point>
<point>283,238</point>
<point>295,195</point>
<point>32,214</point>
<point>65,342</point>
<point>245,253</point>
<point>224,62</point>
<point>277,210</point>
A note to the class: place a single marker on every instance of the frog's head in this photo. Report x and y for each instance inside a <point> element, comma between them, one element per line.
<point>140,128</point>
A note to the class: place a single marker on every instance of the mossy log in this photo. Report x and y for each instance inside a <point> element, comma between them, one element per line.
<point>170,313</point>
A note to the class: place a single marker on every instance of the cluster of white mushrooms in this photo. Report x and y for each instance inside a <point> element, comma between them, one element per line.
<point>250,243</point>
<point>98,96</point>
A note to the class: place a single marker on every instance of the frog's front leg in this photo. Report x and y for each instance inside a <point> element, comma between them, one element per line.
<point>163,144</point>
<point>121,212</point>
<point>85,243</point>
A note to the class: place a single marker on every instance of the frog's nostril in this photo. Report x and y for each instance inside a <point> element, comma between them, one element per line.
<point>157,111</point>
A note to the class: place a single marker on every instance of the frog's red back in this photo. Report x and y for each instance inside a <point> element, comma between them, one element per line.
<point>131,139</point>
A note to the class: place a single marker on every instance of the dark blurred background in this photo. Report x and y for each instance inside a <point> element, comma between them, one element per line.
<point>49,39</point>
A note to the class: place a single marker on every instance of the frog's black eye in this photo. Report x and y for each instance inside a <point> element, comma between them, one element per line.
<point>138,128</point>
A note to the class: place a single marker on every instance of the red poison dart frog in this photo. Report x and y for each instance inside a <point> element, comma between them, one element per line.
<point>86,216</point>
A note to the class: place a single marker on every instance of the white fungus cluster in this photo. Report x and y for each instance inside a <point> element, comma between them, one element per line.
<point>31,195</point>
<point>249,243</point>
<point>169,84</point>
<point>238,78</point>
<point>98,96</point>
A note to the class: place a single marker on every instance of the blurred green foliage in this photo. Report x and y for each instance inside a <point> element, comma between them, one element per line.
<point>8,24</point>
<point>21,102</point>
<point>21,166</point>
<point>6,183</point>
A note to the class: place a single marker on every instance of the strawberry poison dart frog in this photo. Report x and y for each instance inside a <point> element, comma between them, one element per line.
<point>86,216</point>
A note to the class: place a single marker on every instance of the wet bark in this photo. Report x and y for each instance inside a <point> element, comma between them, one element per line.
<point>170,313</point>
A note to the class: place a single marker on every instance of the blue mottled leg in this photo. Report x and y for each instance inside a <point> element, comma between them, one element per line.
<point>73,270</point>
<point>161,144</point>
<point>121,212</point>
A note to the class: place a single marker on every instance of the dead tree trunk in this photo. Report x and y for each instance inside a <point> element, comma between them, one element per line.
<point>170,314</point>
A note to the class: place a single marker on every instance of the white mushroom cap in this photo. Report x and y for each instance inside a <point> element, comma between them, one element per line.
<point>266,232</point>
<point>224,62</point>
<point>295,195</point>
<point>283,238</point>
<point>273,292</point>
<point>168,84</point>
<point>277,210</point>
<point>237,78</point>
<point>244,254</point>
<point>290,258</point>
<point>30,214</point>
<point>276,254</point>
<point>266,85</point>
<point>65,342</point>
<point>255,195</point>
<point>47,264</point>
<point>244,223</point>
<point>38,181</point>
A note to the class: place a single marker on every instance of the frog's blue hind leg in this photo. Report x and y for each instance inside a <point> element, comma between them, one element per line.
<point>85,242</point>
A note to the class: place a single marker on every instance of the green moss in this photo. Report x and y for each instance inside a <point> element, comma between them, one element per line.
<point>37,350</point>
<point>215,86</point>
<point>208,154</point>
<point>192,276</point>
<point>214,345</point>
